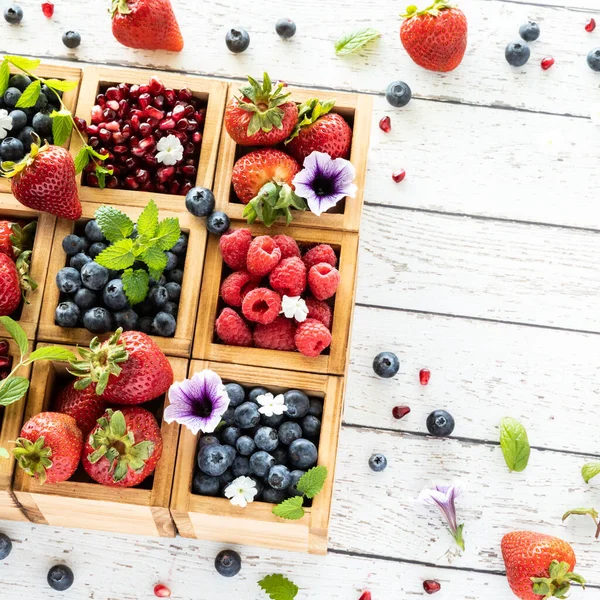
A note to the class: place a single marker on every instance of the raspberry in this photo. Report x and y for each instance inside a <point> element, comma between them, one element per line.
<point>232,329</point>
<point>323,253</point>
<point>287,245</point>
<point>234,248</point>
<point>261,305</point>
<point>289,277</point>
<point>312,337</point>
<point>319,310</point>
<point>263,255</point>
<point>235,287</point>
<point>278,335</point>
<point>323,280</point>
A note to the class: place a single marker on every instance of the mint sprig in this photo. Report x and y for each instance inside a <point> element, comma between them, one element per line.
<point>278,587</point>
<point>589,471</point>
<point>309,485</point>
<point>515,444</point>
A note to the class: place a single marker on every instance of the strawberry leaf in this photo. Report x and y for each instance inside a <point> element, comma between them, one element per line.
<point>117,256</point>
<point>13,389</point>
<point>278,587</point>
<point>61,85</point>
<point>4,76</point>
<point>62,125</point>
<point>82,160</point>
<point>30,96</point>
<point>312,482</point>
<point>16,332</point>
<point>290,509</point>
<point>354,41</point>
<point>136,285</point>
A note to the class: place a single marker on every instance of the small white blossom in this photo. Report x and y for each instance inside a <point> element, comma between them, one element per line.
<point>294,307</point>
<point>170,150</point>
<point>270,405</point>
<point>595,114</point>
<point>241,491</point>
<point>6,123</point>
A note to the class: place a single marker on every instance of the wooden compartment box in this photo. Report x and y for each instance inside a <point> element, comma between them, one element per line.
<point>357,110</point>
<point>334,360</point>
<point>181,343</point>
<point>28,315</point>
<point>83,503</point>
<point>216,519</point>
<point>11,418</point>
<point>210,91</point>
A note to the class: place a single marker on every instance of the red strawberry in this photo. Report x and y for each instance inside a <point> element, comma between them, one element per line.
<point>146,24</point>
<point>435,37</point>
<point>261,116</point>
<point>85,406</point>
<point>124,447</point>
<point>320,130</point>
<point>49,447</point>
<point>539,565</point>
<point>10,289</point>
<point>6,231</point>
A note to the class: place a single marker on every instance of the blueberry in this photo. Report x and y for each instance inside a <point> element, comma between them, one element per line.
<point>204,485</point>
<point>377,462</point>
<point>213,460</point>
<point>228,563</point>
<point>19,120</point>
<point>96,248</point>
<point>93,231</point>
<point>241,466</point>
<point>303,454</point>
<point>245,445</point>
<point>112,274</point>
<point>71,39</point>
<point>51,95</point>
<point>280,454</point>
<point>12,149</point>
<point>42,124</point>
<point>398,94</point>
<point>316,407</point>
<point>145,325</point>
<point>181,245</point>
<point>228,417</point>
<point>237,39</point>
<point>529,31</point>
<point>297,403</point>
<point>200,201</point>
<point>279,477</point>
<point>261,462</point>
<point>13,14</point>
<point>113,295</point>
<point>85,298</point>
<point>160,281</point>
<point>273,496</point>
<point>236,394</point>
<point>207,440</point>
<point>72,244</point>
<point>593,59</point>
<point>11,97</point>
<point>273,421</point>
<point>79,260</point>
<point>26,137</point>
<point>41,106</point>
<point>217,223</point>
<point>226,478</point>
<point>98,320</point>
<point>260,486</point>
<point>171,309</point>
<point>517,54</point>
<point>440,423</point>
<point>285,28</point>
<point>289,432</point>
<point>19,81</point>
<point>68,280</point>
<point>159,296</point>
<point>94,276</point>
<point>266,438</point>
<point>128,320</point>
<point>254,393</point>
<point>247,415</point>
<point>5,546</point>
<point>292,488</point>
<point>60,578</point>
<point>311,426</point>
<point>164,325</point>
<point>231,435</point>
<point>67,314</point>
<point>175,276</point>
<point>171,261</point>
<point>386,364</point>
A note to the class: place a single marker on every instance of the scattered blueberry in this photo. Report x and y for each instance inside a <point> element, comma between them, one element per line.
<point>517,54</point>
<point>297,403</point>
<point>12,149</point>
<point>231,435</point>
<point>245,445</point>
<point>377,462</point>
<point>205,485</point>
<point>236,394</point>
<point>128,320</point>
<point>68,280</point>
<point>295,476</point>
<point>60,578</point>
<point>114,296</point>
<point>11,97</point>
<point>67,314</point>
<point>94,276</point>
<point>213,460</point>
<point>200,202</point>
<point>13,14</point>
<point>98,320</point>
<point>164,324</point>
<point>261,462</point>
<point>266,438</point>
<point>529,31</point>
<point>72,244</point>
<point>386,364</point>
<point>96,248</point>
<point>285,28</point>
<point>5,546</point>
<point>41,104</point>
<point>71,39</point>
<point>237,39</point>
<point>228,417</point>
<point>19,81</point>
<point>280,454</point>
<point>171,309</point>
<point>311,426</point>
<point>247,415</point>
<point>85,298</point>
<point>303,454</point>
<point>398,94</point>
<point>279,477</point>
<point>228,563</point>
<point>440,423</point>
<point>593,59</point>
<point>217,223</point>
<point>289,432</point>
<point>273,421</point>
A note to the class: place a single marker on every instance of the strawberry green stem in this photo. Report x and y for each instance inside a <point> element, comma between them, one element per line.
<point>558,583</point>
<point>433,10</point>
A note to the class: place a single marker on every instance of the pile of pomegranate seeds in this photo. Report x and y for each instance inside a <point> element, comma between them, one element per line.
<point>5,360</point>
<point>127,123</point>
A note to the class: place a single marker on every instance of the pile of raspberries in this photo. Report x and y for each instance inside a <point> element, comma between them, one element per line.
<point>264,270</point>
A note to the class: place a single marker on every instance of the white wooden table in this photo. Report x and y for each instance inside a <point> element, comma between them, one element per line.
<point>482,265</point>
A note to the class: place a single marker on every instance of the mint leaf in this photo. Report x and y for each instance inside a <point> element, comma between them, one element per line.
<point>25,64</point>
<point>117,256</point>
<point>135,284</point>
<point>354,41</point>
<point>101,173</point>
<point>16,333</point>
<point>147,223</point>
<point>12,390</point>
<point>312,482</point>
<point>590,471</point>
<point>30,96</point>
<point>168,233</point>
<point>278,587</point>
<point>61,126</point>
<point>82,160</point>
<point>4,76</point>
<point>4,453</point>
<point>115,225</point>
<point>290,509</point>
<point>52,353</point>
<point>514,444</point>
<point>60,84</point>
<point>155,259</point>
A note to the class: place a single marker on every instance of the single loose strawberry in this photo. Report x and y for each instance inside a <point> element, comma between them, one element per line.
<point>85,406</point>
<point>435,37</point>
<point>124,447</point>
<point>49,447</point>
<point>10,289</point>
<point>262,115</point>
<point>539,566</point>
<point>146,24</point>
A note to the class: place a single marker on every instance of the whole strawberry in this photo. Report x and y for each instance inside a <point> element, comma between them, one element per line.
<point>262,115</point>
<point>10,289</point>
<point>6,246</point>
<point>85,406</point>
<point>539,566</point>
<point>146,24</point>
<point>49,447</point>
<point>15,239</point>
<point>320,130</point>
<point>435,37</point>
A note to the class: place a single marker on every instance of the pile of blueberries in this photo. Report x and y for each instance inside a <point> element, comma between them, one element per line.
<point>274,451</point>
<point>93,296</point>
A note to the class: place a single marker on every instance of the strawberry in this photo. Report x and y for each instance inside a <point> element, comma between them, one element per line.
<point>49,447</point>
<point>10,289</point>
<point>435,37</point>
<point>15,239</point>
<point>85,406</point>
<point>539,565</point>
<point>6,246</point>
<point>146,24</point>
<point>261,116</point>
<point>45,181</point>
<point>320,130</point>
<point>124,447</point>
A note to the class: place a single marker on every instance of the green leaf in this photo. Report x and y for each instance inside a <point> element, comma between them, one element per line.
<point>101,173</point>
<point>16,333</point>
<point>590,471</point>
<point>312,482</point>
<point>168,233</point>
<point>13,389</point>
<point>278,587</point>
<point>117,256</point>
<point>114,224</point>
<point>62,125</point>
<point>592,512</point>
<point>4,76</point>
<point>147,223</point>
<point>25,64</point>
<point>136,285</point>
<point>290,509</point>
<point>52,353</point>
<point>30,96</point>
<point>514,444</point>
<point>82,160</point>
<point>4,453</point>
<point>62,85</point>
<point>354,41</point>
<point>155,259</point>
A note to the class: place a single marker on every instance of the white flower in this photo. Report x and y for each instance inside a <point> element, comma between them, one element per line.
<point>241,491</point>
<point>595,114</point>
<point>270,406</point>
<point>6,123</point>
<point>170,150</point>
<point>294,307</point>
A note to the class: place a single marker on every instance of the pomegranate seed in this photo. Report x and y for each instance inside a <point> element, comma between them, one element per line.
<point>118,138</point>
<point>145,100</point>
<point>547,63</point>
<point>142,176</point>
<point>133,141</point>
<point>124,89</point>
<point>134,91</point>
<point>365,596</point>
<point>201,116</point>
<point>170,96</point>
<point>156,86</point>
<point>188,170</point>
<point>97,114</point>
<point>92,130</point>
<point>101,100</point>
<point>126,132</point>
<point>3,375</point>
<point>135,122</point>
<point>80,123</point>
<point>5,362</point>
<point>131,163</point>
<point>131,183</point>
<point>174,188</point>
<point>162,591</point>
<point>150,187</point>
<point>192,124</point>
<point>90,168</point>
<point>113,93</point>
<point>120,149</point>
<point>112,126</point>
<point>161,188</point>
<point>145,129</point>
<point>108,114</point>
<point>3,347</point>
<point>164,174</point>
<point>197,137</point>
<point>399,176</point>
<point>185,95</point>
<point>94,142</point>
<point>189,110</point>
<point>144,89</point>
<point>159,102</point>
<point>166,124</point>
<point>183,125</point>
<point>153,123</point>
<point>400,411</point>
<point>123,109</point>
<point>385,124</point>
<point>48,9</point>
<point>92,180</point>
<point>112,182</point>
<point>137,151</point>
<point>150,160</point>
<point>147,143</point>
<point>424,376</point>
<point>104,135</point>
<point>113,105</point>
<point>431,587</point>
<point>154,113</point>
<point>186,188</point>
<point>590,25</point>
<point>178,113</point>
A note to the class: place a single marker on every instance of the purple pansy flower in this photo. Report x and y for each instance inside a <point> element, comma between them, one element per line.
<point>324,181</point>
<point>198,403</point>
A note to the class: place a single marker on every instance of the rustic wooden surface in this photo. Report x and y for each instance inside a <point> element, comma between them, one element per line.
<point>481,265</point>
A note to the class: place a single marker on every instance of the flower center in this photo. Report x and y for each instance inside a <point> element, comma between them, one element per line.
<point>204,408</point>
<point>323,186</point>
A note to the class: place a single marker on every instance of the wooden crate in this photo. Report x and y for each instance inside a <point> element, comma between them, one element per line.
<point>47,71</point>
<point>181,343</point>
<point>357,110</point>
<point>85,504</point>
<point>216,519</point>
<point>206,347</point>
<point>212,91</point>
<point>12,210</point>
<point>11,418</point>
